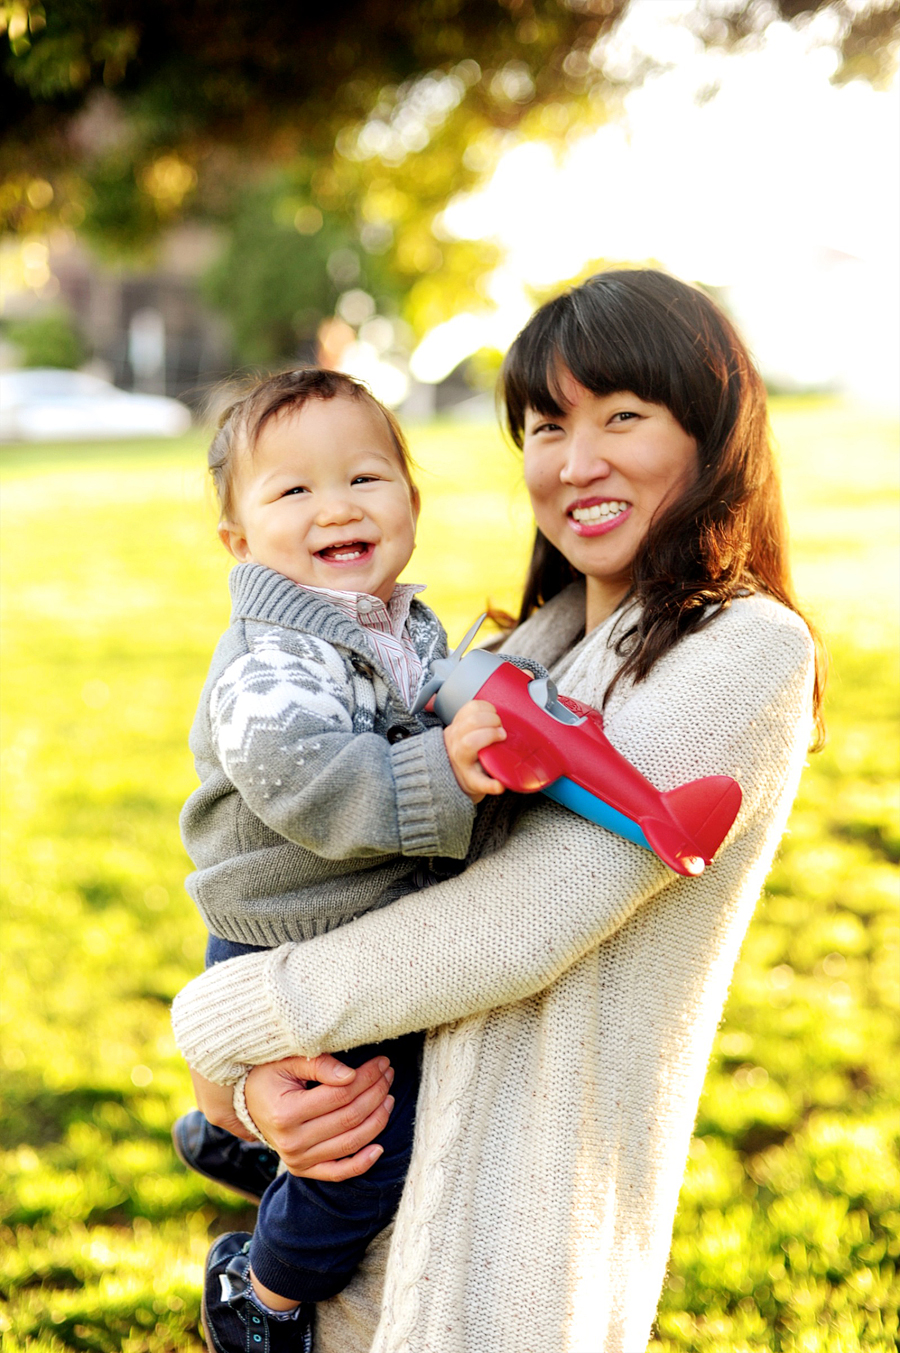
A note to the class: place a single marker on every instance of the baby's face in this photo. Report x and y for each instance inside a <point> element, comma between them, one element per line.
<point>324,500</point>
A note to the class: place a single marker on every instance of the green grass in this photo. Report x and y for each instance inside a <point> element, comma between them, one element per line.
<point>114,593</point>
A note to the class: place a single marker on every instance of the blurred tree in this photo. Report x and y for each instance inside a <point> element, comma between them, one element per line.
<point>285,266</point>
<point>346,128</point>
<point>865,33</point>
<point>289,262</point>
<point>308,131</point>
<point>122,114</point>
<point>152,91</point>
<point>48,339</point>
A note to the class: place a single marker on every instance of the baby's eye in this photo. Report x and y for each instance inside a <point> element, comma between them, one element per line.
<point>298,488</point>
<point>365,479</point>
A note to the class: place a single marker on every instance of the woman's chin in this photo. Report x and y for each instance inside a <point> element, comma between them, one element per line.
<point>600,558</point>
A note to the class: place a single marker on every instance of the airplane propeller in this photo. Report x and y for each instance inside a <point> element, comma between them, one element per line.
<point>441,669</point>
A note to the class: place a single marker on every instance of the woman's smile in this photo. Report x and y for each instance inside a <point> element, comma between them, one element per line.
<point>596,516</point>
<point>599,470</point>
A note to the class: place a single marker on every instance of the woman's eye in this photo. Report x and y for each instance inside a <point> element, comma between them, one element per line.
<point>624,416</point>
<point>544,427</point>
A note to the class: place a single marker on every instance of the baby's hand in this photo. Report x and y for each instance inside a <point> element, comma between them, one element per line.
<point>475,726</point>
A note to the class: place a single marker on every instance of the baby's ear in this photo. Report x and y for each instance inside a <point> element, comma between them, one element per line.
<point>416,497</point>
<point>234,541</point>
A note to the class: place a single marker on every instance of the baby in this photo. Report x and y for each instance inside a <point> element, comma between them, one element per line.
<point>319,791</point>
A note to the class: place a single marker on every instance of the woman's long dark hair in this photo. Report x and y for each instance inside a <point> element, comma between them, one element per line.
<point>666,342</point>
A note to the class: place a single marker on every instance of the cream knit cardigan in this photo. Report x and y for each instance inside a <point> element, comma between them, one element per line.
<point>573,986</point>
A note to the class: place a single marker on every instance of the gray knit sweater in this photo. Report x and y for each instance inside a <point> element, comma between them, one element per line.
<point>315,800</point>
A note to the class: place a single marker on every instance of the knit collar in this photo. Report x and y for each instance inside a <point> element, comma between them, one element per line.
<point>259,593</point>
<point>372,612</point>
<point>554,633</point>
<point>550,631</point>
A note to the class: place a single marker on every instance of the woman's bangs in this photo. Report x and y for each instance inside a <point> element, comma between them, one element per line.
<point>618,339</point>
<point>607,362</point>
<point>606,342</point>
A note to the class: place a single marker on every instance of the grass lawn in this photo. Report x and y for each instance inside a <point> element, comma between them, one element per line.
<point>114,592</point>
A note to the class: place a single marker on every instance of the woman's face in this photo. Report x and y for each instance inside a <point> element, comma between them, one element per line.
<point>598,474</point>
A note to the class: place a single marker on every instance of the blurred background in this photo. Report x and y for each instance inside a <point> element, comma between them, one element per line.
<point>188,192</point>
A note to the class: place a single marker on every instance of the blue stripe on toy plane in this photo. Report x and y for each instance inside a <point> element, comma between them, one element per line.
<point>581,801</point>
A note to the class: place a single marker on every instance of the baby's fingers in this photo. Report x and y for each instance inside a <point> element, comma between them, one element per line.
<point>476,741</point>
<point>483,783</point>
<point>475,714</point>
<point>475,727</point>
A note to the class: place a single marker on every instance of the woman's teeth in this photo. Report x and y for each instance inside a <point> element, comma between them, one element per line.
<point>598,512</point>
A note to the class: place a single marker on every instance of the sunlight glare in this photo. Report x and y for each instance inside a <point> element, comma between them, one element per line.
<point>748,172</point>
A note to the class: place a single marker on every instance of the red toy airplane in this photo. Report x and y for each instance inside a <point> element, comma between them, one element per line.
<point>558,745</point>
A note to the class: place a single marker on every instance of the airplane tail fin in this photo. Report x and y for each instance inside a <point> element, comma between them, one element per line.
<point>699,818</point>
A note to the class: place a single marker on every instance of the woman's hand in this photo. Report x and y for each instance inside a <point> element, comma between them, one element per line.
<point>324,1132</point>
<point>216,1103</point>
<point>476,725</point>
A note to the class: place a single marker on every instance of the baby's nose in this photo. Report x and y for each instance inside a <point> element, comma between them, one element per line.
<point>336,510</point>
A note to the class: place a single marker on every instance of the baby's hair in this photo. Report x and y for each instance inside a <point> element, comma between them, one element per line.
<point>241,424</point>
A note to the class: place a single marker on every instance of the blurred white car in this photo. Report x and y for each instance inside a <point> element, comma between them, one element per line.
<point>46,404</point>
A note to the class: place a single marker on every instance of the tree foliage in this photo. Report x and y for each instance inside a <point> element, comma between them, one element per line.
<point>126,114</point>
<point>865,35</point>
<point>48,339</point>
<point>309,130</point>
<point>163,92</point>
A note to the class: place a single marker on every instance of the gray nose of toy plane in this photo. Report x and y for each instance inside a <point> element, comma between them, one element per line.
<point>441,669</point>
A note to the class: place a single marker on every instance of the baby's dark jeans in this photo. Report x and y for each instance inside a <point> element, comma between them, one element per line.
<point>311,1234</point>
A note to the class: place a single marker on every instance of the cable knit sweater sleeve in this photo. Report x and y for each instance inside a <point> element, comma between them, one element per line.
<point>728,700</point>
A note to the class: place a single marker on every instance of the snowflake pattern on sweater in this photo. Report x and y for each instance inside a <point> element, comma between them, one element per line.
<point>269,689</point>
<point>319,790</point>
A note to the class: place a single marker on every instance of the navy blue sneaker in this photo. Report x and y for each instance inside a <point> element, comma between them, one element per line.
<point>246,1167</point>
<point>231,1321</point>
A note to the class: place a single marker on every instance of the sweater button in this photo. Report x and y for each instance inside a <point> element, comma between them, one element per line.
<point>397,733</point>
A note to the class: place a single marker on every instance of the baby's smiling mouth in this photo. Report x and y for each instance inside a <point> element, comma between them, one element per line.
<point>345,553</point>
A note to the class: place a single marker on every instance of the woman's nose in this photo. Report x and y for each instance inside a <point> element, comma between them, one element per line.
<point>584,462</point>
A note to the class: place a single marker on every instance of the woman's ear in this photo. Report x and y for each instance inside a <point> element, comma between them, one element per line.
<point>235,541</point>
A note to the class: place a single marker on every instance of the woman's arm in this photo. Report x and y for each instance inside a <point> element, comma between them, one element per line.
<point>734,699</point>
<point>506,928</point>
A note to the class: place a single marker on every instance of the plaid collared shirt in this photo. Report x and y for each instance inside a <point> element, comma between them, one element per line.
<point>386,626</point>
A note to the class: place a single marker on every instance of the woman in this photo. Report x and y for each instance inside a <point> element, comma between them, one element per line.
<point>572,983</point>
